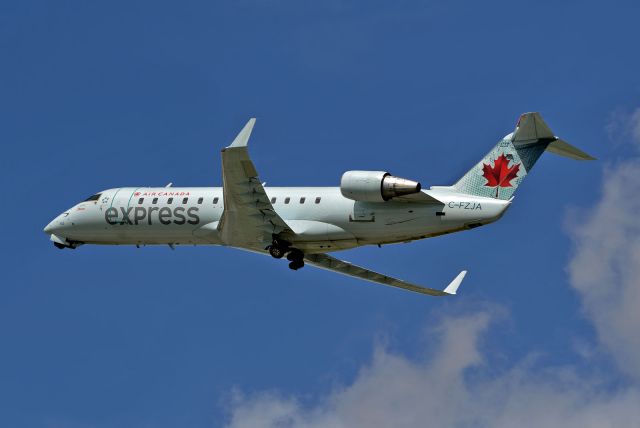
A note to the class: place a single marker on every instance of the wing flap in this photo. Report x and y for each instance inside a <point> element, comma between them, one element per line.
<point>327,262</point>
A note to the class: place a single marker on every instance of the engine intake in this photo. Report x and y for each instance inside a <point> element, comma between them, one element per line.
<point>375,186</point>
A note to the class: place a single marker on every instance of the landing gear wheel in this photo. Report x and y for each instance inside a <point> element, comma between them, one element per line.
<point>276,251</point>
<point>296,264</point>
<point>295,255</point>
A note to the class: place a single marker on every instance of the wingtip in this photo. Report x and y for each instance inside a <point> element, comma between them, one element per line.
<point>452,288</point>
<point>242,139</point>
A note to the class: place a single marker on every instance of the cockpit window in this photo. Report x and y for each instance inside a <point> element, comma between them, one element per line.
<point>93,198</point>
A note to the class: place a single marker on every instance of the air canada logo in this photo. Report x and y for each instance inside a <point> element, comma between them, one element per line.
<point>500,174</point>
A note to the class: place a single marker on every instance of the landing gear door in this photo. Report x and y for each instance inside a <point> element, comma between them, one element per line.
<point>362,212</point>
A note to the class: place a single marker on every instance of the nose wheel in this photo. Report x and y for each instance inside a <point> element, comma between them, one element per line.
<point>72,245</point>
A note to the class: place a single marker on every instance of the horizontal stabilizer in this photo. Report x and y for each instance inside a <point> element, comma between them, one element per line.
<point>562,148</point>
<point>530,126</point>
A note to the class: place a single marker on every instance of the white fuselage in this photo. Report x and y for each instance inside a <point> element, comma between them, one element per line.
<point>321,217</point>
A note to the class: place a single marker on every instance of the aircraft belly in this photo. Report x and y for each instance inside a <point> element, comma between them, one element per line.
<point>395,222</point>
<point>312,235</point>
<point>132,235</point>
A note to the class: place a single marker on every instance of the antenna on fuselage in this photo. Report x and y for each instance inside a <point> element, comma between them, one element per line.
<point>169,185</point>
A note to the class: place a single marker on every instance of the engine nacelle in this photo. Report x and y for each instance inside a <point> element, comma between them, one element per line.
<point>375,186</point>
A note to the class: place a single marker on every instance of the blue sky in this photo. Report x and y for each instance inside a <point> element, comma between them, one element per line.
<point>99,95</point>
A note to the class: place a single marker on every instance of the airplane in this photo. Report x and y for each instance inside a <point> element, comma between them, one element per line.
<point>305,224</point>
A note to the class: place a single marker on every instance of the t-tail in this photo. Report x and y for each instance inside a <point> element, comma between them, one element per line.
<point>503,169</point>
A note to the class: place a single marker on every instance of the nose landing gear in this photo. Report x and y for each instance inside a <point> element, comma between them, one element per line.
<point>72,245</point>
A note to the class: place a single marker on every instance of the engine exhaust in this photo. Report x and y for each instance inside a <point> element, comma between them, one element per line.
<point>392,187</point>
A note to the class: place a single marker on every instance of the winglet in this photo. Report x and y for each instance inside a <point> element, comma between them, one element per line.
<point>242,139</point>
<point>453,285</point>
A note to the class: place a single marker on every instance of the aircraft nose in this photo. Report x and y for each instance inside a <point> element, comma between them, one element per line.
<point>50,228</point>
<point>56,224</point>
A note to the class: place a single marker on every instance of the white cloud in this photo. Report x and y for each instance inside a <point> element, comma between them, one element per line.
<point>624,126</point>
<point>451,388</point>
<point>605,269</point>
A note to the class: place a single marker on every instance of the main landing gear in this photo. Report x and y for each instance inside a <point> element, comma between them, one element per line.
<point>279,248</point>
<point>296,257</point>
<point>276,251</point>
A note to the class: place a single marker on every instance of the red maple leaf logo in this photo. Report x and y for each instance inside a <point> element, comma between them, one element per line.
<point>501,174</point>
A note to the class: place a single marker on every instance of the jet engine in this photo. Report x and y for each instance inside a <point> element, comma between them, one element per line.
<point>375,186</point>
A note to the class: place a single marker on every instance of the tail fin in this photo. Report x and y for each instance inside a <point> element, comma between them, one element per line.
<point>501,171</point>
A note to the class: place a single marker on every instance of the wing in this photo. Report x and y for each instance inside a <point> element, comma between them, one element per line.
<point>324,261</point>
<point>248,219</point>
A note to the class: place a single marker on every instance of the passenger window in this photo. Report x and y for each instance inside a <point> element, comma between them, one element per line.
<point>318,200</point>
<point>215,200</point>
<point>302,200</point>
<point>184,200</point>
<point>273,200</point>
<point>169,201</point>
<point>286,200</point>
<point>141,200</point>
<point>200,200</point>
<point>155,201</point>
